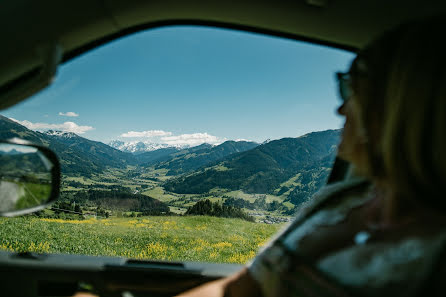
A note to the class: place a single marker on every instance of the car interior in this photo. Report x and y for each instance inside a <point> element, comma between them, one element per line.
<point>40,36</point>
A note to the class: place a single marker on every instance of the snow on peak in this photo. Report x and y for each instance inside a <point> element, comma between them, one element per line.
<point>139,146</point>
<point>60,133</point>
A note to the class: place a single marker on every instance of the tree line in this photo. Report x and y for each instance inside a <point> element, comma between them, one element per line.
<point>215,209</point>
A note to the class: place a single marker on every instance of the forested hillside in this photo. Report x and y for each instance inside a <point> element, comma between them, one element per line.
<point>191,159</point>
<point>264,168</point>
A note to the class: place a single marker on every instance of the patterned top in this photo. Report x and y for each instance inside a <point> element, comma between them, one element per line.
<point>366,269</point>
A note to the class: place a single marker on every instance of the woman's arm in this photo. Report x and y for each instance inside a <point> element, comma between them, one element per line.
<point>239,284</point>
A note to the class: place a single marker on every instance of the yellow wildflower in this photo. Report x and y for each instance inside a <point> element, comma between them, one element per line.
<point>222,244</point>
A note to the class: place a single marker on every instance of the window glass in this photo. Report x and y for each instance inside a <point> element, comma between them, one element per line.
<point>180,143</point>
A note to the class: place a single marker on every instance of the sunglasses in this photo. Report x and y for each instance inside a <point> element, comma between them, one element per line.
<point>345,89</point>
<point>344,79</point>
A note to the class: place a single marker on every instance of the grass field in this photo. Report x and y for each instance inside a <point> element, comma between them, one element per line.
<point>197,238</point>
<point>252,197</point>
<point>159,193</point>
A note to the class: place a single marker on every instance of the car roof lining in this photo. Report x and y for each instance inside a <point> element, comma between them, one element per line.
<point>211,24</point>
<point>85,24</point>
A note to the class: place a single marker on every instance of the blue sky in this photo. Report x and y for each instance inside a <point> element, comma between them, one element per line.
<point>191,84</point>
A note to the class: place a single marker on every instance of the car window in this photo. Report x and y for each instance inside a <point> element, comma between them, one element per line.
<point>180,143</point>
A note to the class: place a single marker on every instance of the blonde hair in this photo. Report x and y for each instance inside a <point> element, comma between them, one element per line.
<point>405,109</point>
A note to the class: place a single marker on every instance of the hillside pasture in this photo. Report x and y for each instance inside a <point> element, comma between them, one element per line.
<point>172,238</point>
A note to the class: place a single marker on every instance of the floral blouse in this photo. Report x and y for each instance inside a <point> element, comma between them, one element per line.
<point>363,269</point>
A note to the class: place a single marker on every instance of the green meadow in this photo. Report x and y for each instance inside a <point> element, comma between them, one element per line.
<point>173,238</point>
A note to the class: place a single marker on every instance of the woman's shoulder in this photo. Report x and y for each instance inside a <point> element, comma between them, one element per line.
<point>338,197</point>
<point>407,267</point>
<point>373,268</point>
<point>328,205</point>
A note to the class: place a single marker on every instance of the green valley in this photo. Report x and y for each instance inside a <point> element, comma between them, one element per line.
<point>270,179</point>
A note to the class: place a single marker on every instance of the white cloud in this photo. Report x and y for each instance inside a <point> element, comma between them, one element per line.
<point>149,133</point>
<point>192,139</point>
<point>66,127</point>
<point>165,137</point>
<point>68,114</point>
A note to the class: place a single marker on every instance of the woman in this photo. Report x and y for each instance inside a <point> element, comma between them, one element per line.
<point>386,236</point>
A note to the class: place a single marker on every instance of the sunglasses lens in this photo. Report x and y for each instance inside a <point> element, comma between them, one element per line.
<point>345,90</point>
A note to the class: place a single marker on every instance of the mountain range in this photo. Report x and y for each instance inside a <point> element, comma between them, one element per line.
<point>191,159</point>
<point>79,155</point>
<point>292,168</point>
<point>138,147</point>
<point>304,162</point>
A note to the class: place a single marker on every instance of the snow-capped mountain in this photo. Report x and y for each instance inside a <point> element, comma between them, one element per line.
<point>77,155</point>
<point>138,147</point>
<point>60,134</point>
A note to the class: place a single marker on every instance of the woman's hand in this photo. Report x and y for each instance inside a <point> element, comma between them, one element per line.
<point>239,284</point>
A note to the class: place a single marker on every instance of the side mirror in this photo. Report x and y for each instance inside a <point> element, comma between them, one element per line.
<point>29,177</point>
